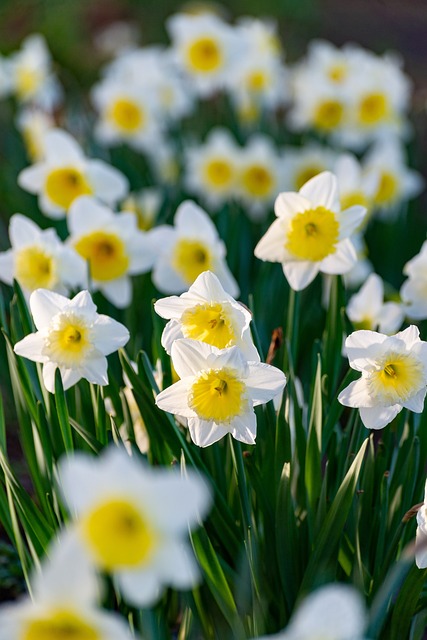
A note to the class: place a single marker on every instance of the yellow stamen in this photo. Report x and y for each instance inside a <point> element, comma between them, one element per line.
<point>64,185</point>
<point>313,234</point>
<point>218,395</point>
<point>69,341</point>
<point>209,323</point>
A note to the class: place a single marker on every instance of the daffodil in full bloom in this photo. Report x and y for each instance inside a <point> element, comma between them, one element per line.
<point>218,391</point>
<point>208,313</point>
<point>367,309</point>
<point>133,521</point>
<point>65,174</point>
<point>414,289</point>
<point>332,612</point>
<point>394,375</point>
<point>113,246</point>
<point>311,233</point>
<point>187,249</point>
<point>38,259</point>
<point>72,337</point>
<point>64,603</point>
<point>421,536</point>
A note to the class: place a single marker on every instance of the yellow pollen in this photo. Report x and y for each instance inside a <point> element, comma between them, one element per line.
<point>209,323</point>
<point>118,534</point>
<point>204,55</point>
<point>64,185</point>
<point>126,115</point>
<point>313,234</point>
<point>106,253</point>
<point>401,375</point>
<point>217,394</point>
<point>328,115</point>
<point>59,625</point>
<point>388,189</point>
<point>258,181</point>
<point>190,258</point>
<point>34,268</point>
<point>306,173</point>
<point>219,173</point>
<point>373,108</point>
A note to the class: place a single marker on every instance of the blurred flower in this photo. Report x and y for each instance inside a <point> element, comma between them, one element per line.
<point>65,174</point>
<point>116,38</point>
<point>211,169</point>
<point>188,249</point>
<point>367,310</point>
<point>204,47</point>
<point>335,612</point>
<point>363,267</point>
<point>395,182</point>
<point>113,246</point>
<point>72,337</point>
<point>414,290</point>
<point>33,125</point>
<point>300,164</point>
<point>218,391</point>
<point>421,535</point>
<point>260,176</point>
<point>311,234</point>
<point>133,521</point>
<point>356,186</point>
<point>38,259</point>
<point>394,375</point>
<point>207,313</point>
<point>31,74</point>
<point>145,204</point>
<point>63,605</point>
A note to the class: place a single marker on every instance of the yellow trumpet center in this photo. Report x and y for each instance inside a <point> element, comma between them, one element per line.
<point>60,625</point>
<point>106,253</point>
<point>209,323</point>
<point>373,108</point>
<point>258,181</point>
<point>328,115</point>
<point>118,534</point>
<point>68,341</point>
<point>306,173</point>
<point>204,55</point>
<point>388,189</point>
<point>218,394</point>
<point>313,234</point>
<point>64,185</point>
<point>191,258</point>
<point>127,115</point>
<point>219,173</point>
<point>34,268</point>
<point>401,375</point>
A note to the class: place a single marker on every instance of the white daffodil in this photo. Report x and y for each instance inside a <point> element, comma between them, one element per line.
<point>260,176</point>
<point>113,246</point>
<point>64,603</point>
<point>311,233</point>
<point>421,535</point>
<point>145,204</point>
<point>133,521</point>
<point>332,612</point>
<point>188,249</point>
<point>356,186</point>
<point>363,267</point>
<point>394,375</point>
<point>72,337</point>
<point>31,74</point>
<point>203,47</point>
<point>33,125</point>
<point>38,259</point>
<point>218,391</point>
<point>207,313</point>
<point>396,183</point>
<point>367,310</point>
<point>212,168</point>
<point>300,164</point>
<point>414,290</point>
<point>65,174</point>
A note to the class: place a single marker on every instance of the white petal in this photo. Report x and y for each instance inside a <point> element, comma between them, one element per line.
<point>421,549</point>
<point>226,278</point>
<point>171,332</point>
<point>362,347</point>
<point>392,316</point>
<point>271,247</point>
<point>300,274</point>
<point>22,231</point>
<point>177,565</point>
<point>61,148</point>
<point>83,303</point>
<point>344,259</point>
<point>49,369</point>
<point>94,369</point>
<point>69,377</point>
<point>140,588</point>
<point>109,335</point>
<point>7,266</point>
<point>416,402</point>
<point>322,190</point>
<point>109,184</point>
<point>288,204</point>
<point>206,432</point>
<point>191,356</point>
<point>174,399</point>
<point>264,382</point>
<point>73,270</point>
<point>191,220</point>
<point>44,305</point>
<point>87,214</point>
<point>243,428</point>
<point>78,481</point>
<point>172,307</point>
<point>410,336</point>
<point>141,252</point>
<point>118,291</point>
<point>379,417</point>
<point>356,395</point>
<point>32,178</point>
<point>351,219</point>
<point>166,279</point>
<point>31,347</point>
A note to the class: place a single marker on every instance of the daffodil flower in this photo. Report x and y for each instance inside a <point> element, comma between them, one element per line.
<point>113,246</point>
<point>367,309</point>
<point>132,521</point>
<point>187,249</point>
<point>394,375</point>
<point>65,174</point>
<point>72,337</point>
<point>218,391</point>
<point>64,603</point>
<point>38,259</point>
<point>207,313</point>
<point>311,233</point>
